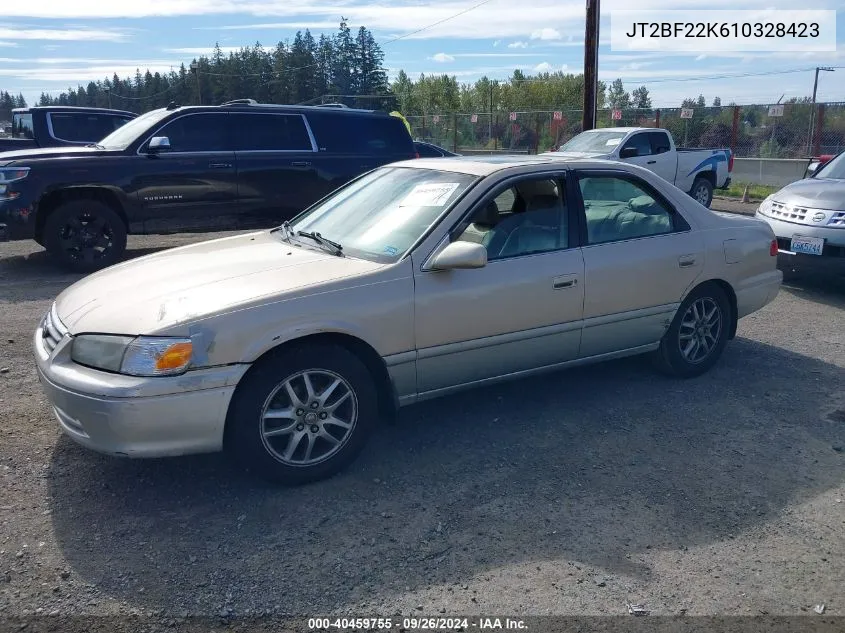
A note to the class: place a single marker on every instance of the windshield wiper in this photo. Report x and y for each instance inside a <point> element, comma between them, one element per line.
<point>337,249</point>
<point>285,227</point>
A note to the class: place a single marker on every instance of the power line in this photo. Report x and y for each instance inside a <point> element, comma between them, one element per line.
<point>383,43</point>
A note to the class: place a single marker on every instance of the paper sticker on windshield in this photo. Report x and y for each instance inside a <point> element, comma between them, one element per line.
<point>430,195</point>
<point>391,250</point>
<point>613,142</point>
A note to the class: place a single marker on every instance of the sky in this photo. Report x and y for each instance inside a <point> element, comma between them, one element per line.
<point>48,45</point>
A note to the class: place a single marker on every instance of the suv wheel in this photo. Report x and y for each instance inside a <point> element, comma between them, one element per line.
<point>302,415</point>
<point>84,235</point>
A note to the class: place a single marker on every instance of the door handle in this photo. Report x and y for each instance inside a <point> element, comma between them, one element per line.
<point>686,261</point>
<point>219,165</point>
<point>301,163</point>
<point>651,162</point>
<point>566,281</point>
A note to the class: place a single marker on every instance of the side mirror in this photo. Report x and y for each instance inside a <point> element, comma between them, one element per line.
<point>159,144</point>
<point>460,255</point>
<point>812,168</point>
<point>628,152</point>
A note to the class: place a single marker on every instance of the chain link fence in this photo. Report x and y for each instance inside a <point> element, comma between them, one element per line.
<point>795,130</point>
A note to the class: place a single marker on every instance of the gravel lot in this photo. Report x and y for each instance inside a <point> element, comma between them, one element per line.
<point>574,493</point>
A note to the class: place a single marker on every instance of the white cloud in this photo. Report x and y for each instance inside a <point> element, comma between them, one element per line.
<point>546,34</point>
<point>8,44</point>
<point>518,45</point>
<point>496,43</point>
<point>81,74</point>
<point>544,67</point>
<point>272,26</point>
<point>202,50</point>
<point>442,58</point>
<point>86,35</point>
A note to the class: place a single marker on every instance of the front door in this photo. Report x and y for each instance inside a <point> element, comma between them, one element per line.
<point>522,310</point>
<point>640,257</point>
<point>192,185</point>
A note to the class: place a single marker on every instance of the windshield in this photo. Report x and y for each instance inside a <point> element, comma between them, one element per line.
<point>381,215</point>
<point>125,135</point>
<point>835,168</point>
<point>599,142</point>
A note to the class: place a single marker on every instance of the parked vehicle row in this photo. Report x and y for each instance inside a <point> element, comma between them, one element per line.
<point>59,126</point>
<point>696,171</point>
<point>286,346</point>
<point>239,165</point>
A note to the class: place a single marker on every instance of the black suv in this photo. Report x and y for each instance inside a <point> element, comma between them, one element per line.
<point>236,166</point>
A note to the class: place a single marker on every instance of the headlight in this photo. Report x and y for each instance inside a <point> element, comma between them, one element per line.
<point>766,206</point>
<point>141,356</point>
<point>13,174</point>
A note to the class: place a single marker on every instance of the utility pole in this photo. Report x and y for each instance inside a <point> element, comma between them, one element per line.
<point>196,68</point>
<point>490,122</point>
<point>591,60</point>
<point>811,133</point>
<point>108,92</point>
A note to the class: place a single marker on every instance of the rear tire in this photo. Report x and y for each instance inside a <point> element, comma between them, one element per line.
<point>302,415</point>
<point>84,235</point>
<point>702,191</point>
<point>698,334</point>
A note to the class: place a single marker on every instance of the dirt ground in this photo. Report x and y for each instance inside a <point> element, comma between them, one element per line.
<point>574,493</point>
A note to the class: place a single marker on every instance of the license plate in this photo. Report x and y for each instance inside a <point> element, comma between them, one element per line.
<point>807,245</point>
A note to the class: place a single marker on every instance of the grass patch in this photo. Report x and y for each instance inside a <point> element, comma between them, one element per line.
<point>755,192</point>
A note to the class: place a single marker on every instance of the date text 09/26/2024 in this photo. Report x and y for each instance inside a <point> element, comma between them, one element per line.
<point>416,624</point>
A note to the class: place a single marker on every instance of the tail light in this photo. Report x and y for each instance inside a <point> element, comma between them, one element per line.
<point>731,163</point>
<point>773,248</point>
<point>416,154</point>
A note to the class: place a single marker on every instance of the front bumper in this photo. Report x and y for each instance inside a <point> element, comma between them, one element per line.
<point>136,417</point>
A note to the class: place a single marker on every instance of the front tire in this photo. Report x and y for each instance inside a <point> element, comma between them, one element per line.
<point>84,235</point>
<point>698,334</point>
<point>702,191</point>
<point>302,415</point>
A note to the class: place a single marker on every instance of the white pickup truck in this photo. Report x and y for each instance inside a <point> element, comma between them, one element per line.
<point>695,171</point>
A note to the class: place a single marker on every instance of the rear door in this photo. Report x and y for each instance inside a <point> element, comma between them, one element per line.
<point>276,166</point>
<point>640,257</point>
<point>665,160</point>
<point>350,144</point>
<point>192,185</point>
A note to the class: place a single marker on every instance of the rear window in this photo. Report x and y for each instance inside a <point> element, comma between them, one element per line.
<point>345,134</point>
<point>82,127</point>
<point>22,126</point>
<point>271,132</point>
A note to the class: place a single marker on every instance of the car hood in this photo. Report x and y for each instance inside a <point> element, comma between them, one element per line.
<point>48,152</point>
<point>560,154</point>
<point>150,294</point>
<point>816,193</point>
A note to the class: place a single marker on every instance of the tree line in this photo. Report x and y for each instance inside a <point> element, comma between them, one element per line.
<point>7,103</point>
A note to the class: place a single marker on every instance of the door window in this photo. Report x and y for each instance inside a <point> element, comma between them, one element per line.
<point>271,132</point>
<point>524,219</point>
<point>619,208</point>
<point>198,133</point>
<point>659,142</point>
<point>640,143</point>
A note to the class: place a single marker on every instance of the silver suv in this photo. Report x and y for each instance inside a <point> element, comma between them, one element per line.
<point>808,217</point>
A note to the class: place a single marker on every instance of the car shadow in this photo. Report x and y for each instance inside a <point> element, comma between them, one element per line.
<point>826,288</point>
<point>595,465</point>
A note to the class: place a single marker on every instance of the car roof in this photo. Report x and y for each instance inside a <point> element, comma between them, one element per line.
<point>82,109</point>
<point>487,165</point>
<point>242,106</point>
